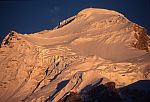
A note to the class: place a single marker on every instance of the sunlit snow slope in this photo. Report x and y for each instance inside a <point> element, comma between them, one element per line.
<point>94,46</point>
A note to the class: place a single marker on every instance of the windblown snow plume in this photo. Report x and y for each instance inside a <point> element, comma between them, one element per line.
<point>97,49</point>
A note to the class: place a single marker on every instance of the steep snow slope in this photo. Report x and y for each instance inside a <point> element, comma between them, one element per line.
<point>94,47</point>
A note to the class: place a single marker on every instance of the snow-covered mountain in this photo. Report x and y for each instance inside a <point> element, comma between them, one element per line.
<point>92,48</point>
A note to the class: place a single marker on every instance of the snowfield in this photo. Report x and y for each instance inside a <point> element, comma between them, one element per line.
<point>94,47</point>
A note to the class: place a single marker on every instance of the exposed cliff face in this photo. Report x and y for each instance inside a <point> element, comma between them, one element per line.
<point>65,22</point>
<point>143,41</point>
<point>92,48</point>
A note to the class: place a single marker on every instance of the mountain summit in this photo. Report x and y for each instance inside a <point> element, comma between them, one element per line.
<point>92,48</point>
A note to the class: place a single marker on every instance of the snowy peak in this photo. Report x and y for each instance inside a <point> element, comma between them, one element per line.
<point>98,11</point>
<point>97,49</point>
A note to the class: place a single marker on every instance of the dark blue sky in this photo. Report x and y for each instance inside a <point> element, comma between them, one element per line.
<point>27,16</point>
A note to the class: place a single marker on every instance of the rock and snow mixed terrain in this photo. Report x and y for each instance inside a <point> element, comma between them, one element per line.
<point>92,48</point>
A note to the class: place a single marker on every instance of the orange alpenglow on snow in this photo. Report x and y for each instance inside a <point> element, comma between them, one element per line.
<point>92,48</point>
